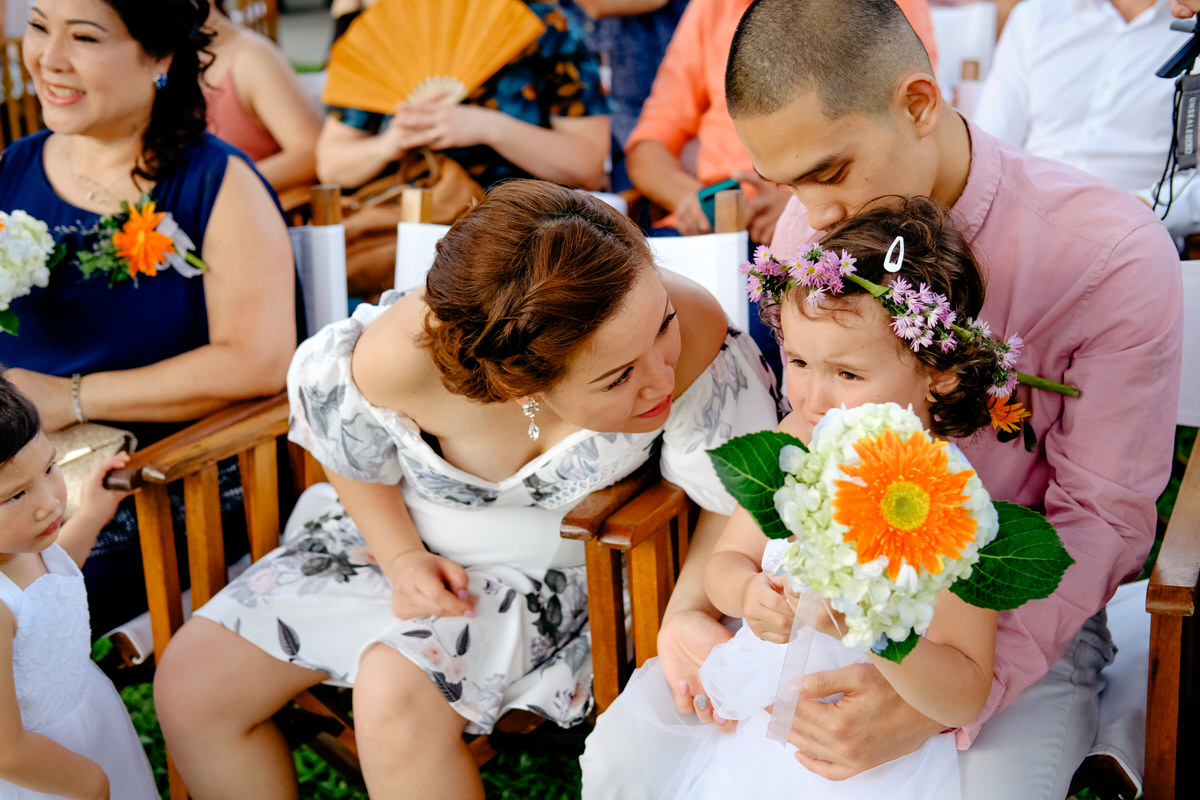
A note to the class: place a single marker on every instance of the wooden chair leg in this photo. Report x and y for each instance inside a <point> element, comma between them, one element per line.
<point>651,579</point>
<point>206,546</point>
<point>260,481</point>
<point>160,562</point>
<point>606,607</point>
<point>175,782</point>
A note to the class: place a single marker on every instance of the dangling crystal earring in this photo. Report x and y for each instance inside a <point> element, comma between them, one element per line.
<point>160,80</point>
<point>529,408</point>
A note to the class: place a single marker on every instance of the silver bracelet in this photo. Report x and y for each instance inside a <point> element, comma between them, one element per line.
<point>76,380</point>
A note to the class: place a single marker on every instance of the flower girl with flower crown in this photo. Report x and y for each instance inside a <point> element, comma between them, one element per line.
<point>64,731</point>
<point>911,342</point>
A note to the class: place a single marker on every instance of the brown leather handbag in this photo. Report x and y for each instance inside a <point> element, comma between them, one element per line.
<point>373,211</point>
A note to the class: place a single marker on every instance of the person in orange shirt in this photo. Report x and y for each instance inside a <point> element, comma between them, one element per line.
<point>688,102</point>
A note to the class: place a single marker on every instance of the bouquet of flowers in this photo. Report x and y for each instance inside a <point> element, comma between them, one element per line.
<point>138,240</point>
<point>27,254</point>
<point>883,517</point>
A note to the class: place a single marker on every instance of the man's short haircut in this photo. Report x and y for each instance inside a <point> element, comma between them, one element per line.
<point>852,53</point>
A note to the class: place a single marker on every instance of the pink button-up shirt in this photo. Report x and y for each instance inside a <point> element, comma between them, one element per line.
<point>1088,276</point>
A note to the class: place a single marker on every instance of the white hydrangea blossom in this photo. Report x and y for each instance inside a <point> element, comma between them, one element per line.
<point>821,560</point>
<point>25,248</point>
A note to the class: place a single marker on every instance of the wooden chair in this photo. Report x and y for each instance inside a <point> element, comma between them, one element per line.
<point>257,15</point>
<point>642,517</point>
<point>22,114</point>
<point>1172,703</point>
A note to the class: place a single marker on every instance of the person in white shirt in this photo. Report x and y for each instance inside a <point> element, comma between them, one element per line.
<point>1074,80</point>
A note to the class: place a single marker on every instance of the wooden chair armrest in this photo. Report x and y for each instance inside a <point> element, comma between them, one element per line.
<point>295,197</point>
<point>644,516</point>
<point>584,521</point>
<point>218,436</point>
<point>1173,583</point>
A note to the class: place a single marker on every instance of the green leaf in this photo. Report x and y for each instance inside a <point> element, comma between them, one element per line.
<point>56,255</point>
<point>748,467</point>
<point>1024,562</point>
<point>8,321</point>
<point>896,651</point>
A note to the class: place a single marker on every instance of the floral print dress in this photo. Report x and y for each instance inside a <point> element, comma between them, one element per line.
<point>320,599</point>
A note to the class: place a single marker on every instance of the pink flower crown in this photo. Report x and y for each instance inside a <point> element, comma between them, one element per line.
<point>921,317</point>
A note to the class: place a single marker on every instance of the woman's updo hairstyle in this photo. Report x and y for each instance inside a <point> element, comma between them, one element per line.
<point>935,254</point>
<point>520,282</point>
<point>170,28</point>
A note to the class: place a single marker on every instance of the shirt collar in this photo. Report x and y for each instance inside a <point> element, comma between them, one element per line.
<point>1160,11</point>
<point>983,181</point>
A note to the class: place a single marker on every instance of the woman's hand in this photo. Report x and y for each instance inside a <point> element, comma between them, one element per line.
<point>425,584</point>
<point>439,125</point>
<point>766,610</point>
<point>684,641</point>
<point>51,395</point>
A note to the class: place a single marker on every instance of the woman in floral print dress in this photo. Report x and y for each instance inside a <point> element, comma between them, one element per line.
<point>547,357</point>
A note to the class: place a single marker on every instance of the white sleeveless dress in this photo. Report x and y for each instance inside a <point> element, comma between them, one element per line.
<point>685,760</point>
<point>320,599</point>
<point>62,694</point>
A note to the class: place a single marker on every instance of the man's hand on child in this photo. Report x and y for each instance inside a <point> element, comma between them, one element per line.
<point>766,610</point>
<point>868,726</point>
<point>425,584</point>
<point>96,501</point>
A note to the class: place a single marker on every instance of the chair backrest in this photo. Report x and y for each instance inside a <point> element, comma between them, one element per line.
<point>257,15</point>
<point>320,253</point>
<point>963,32</point>
<point>711,260</point>
<point>21,114</point>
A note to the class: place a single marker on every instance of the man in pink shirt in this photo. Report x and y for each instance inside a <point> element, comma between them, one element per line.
<point>687,102</point>
<point>835,99</point>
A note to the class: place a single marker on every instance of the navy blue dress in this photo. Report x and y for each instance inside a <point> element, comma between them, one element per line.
<point>78,324</point>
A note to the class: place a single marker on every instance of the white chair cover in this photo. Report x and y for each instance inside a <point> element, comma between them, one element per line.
<point>963,33</point>
<point>710,260</point>
<point>320,253</point>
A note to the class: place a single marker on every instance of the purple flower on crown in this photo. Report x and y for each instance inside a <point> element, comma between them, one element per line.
<point>1010,352</point>
<point>846,263</point>
<point>754,287</point>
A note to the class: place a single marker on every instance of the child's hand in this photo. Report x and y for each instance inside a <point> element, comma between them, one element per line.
<point>425,584</point>
<point>766,610</point>
<point>95,501</point>
<point>816,612</point>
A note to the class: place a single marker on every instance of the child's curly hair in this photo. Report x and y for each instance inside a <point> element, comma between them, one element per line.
<point>935,254</point>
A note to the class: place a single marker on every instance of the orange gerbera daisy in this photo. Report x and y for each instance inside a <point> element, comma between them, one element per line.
<point>1006,416</point>
<point>142,247</point>
<point>910,508</point>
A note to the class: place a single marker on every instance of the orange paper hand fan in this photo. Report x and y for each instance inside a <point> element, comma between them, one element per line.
<point>417,49</point>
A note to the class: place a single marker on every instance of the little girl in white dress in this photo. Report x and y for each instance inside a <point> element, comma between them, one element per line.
<point>844,351</point>
<point>64,731</point>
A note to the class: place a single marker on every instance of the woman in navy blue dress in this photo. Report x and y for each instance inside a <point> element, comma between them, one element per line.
<point>118,82</point>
